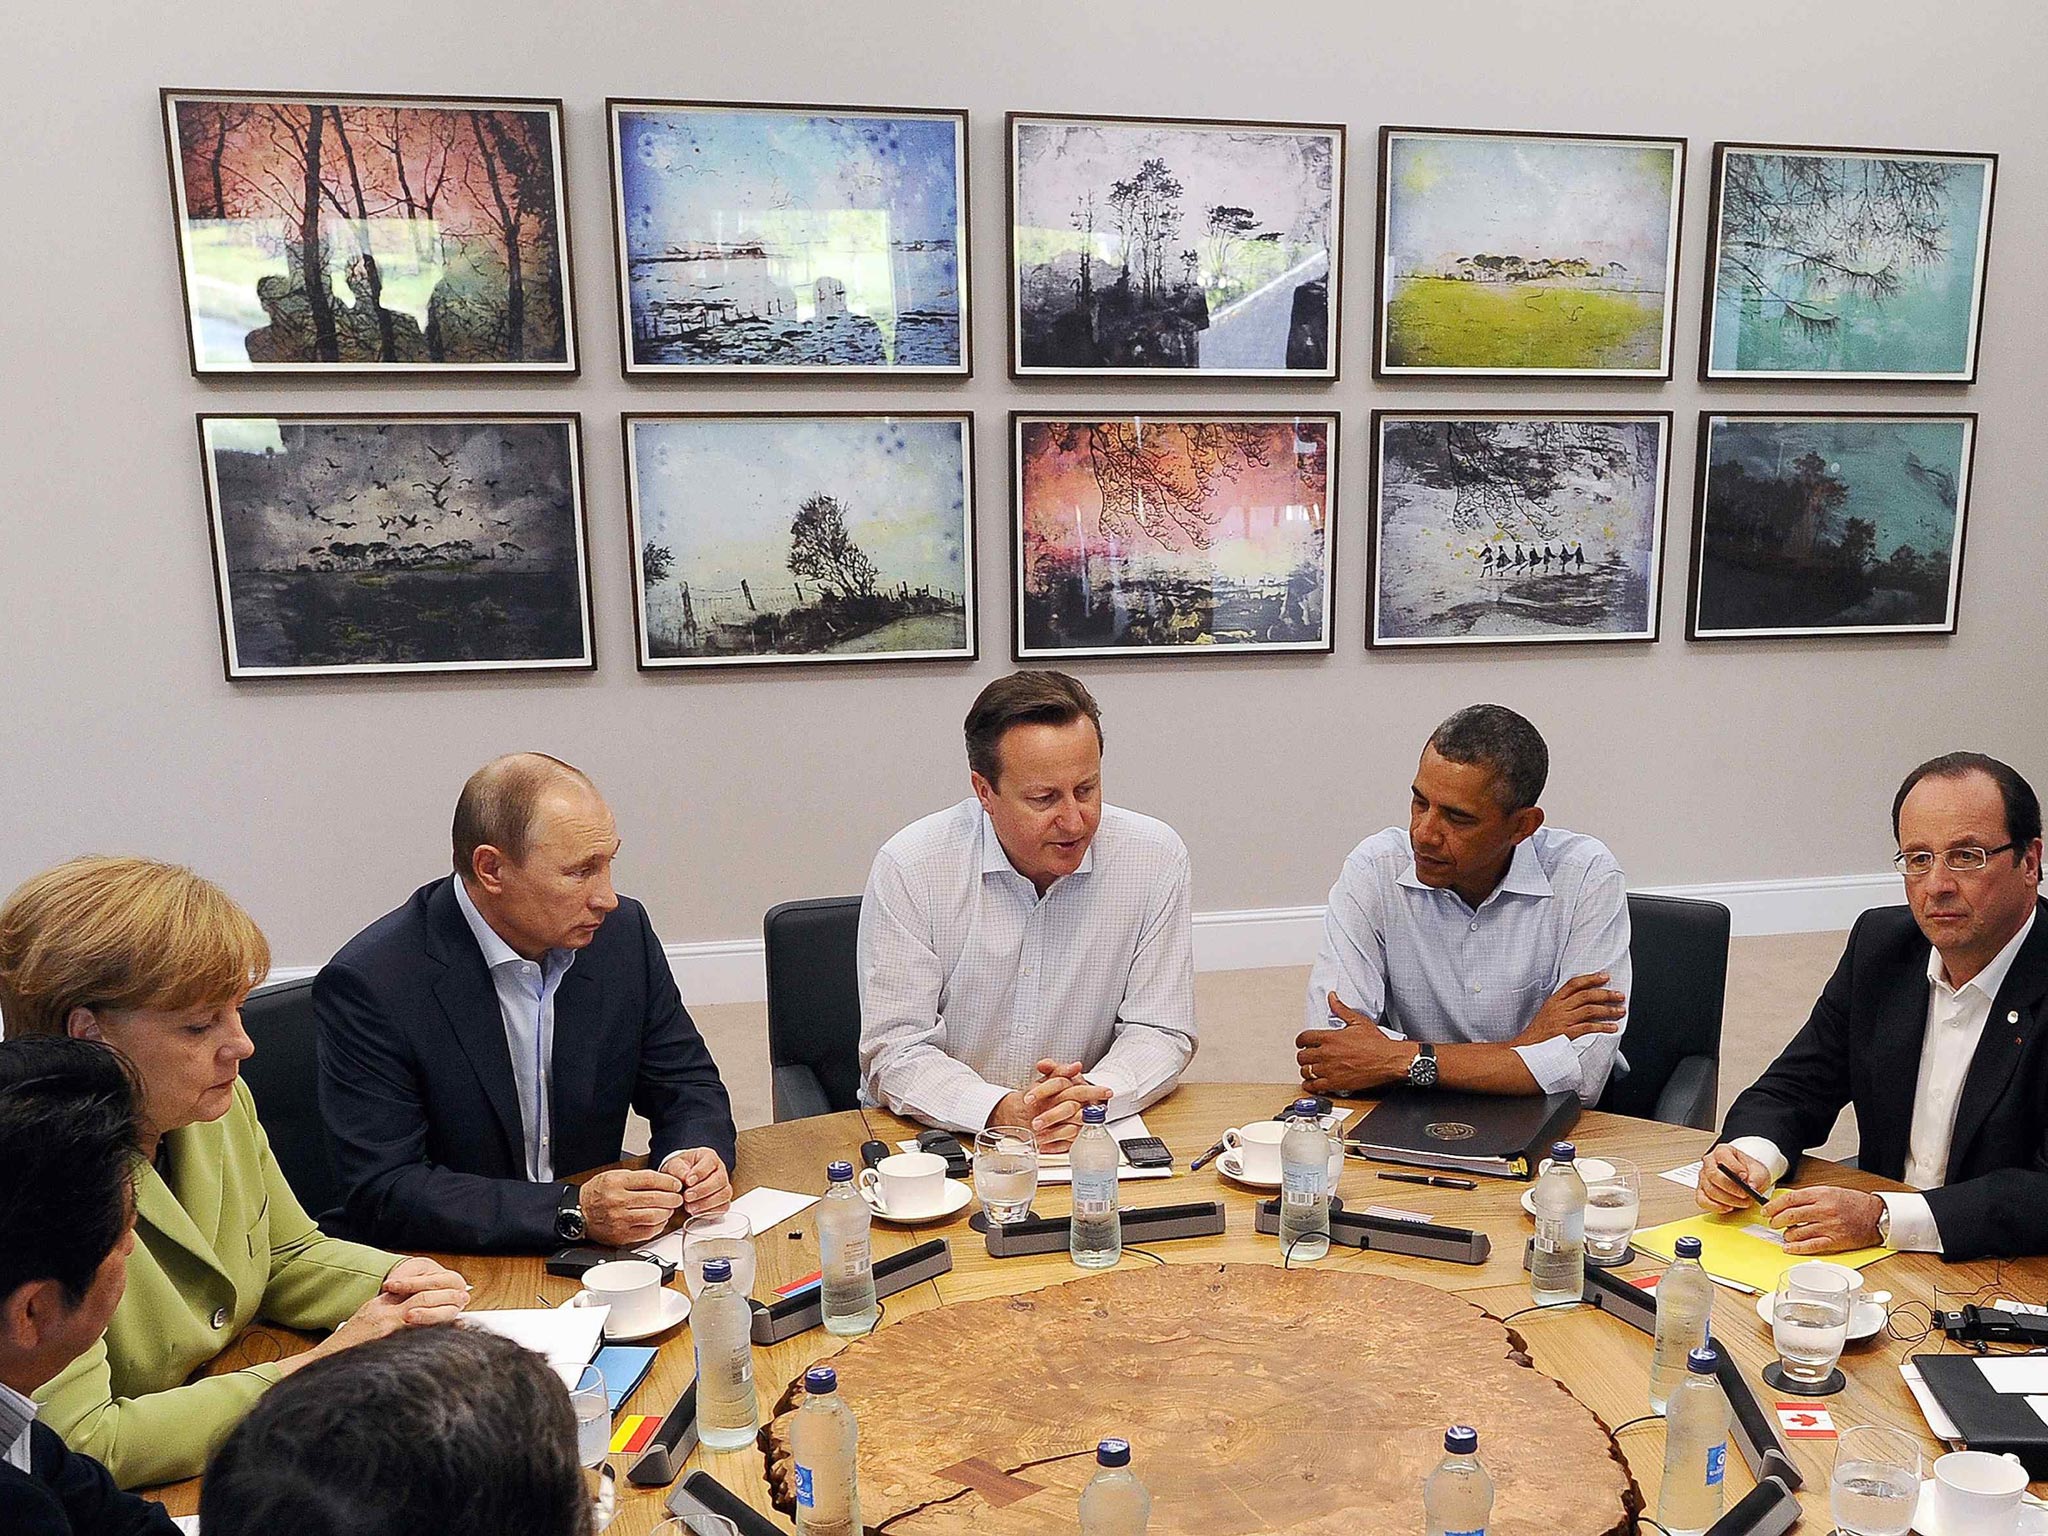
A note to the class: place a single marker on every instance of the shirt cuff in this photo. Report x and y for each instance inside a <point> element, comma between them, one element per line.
<point>1123,1093</point>
<point>1913,1228</point>
<point>1553,1063</point>
<point>1763,1150</point>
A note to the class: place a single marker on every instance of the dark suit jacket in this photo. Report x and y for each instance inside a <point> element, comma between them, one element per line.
<point>1862,1046</point>
<point>65,1494</point>
<point>416,1077</point>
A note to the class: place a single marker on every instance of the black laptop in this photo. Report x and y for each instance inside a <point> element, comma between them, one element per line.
<point>1500,1135</point>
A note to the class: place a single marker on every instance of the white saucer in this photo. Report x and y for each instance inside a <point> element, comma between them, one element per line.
<point>1228,1165</point>
<point>2033,1519</point>
<point>1866,1324</point>
<point>675,1306</point>
<point>956,1199</point>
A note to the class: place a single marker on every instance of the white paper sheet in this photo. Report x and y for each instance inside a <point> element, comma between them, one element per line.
<point>567,1336</point>
<point>1689,1175</point>
<point>765,1208</point>
<point>187,1523</point>
<point>2015,1373</point>
<point>1395,1213</point>
<point>2040,1407</point>
<point>1938,1421</point>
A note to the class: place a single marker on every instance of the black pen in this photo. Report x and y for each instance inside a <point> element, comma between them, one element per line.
<point>1732,1178</point>
<point>1206,1156</point>
<point>1434,1180</point>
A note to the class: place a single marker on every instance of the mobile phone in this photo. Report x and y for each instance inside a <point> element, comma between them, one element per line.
<point>945,1144</point>
<point>1147,1152</point>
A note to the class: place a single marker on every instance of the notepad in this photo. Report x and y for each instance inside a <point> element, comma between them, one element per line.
<point>623,1367</point>
<point>567,1336</point>
<point>2016,1373</point>
<point>1732,1250</point>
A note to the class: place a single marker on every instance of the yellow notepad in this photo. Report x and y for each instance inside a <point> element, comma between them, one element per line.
<point>1740,1246</point>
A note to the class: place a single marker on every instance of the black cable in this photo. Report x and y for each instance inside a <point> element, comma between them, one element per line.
<point>1146,1253</point>
<point>1644,1418</point>
<point>1646,1520</point>
<point>1545,1306</point>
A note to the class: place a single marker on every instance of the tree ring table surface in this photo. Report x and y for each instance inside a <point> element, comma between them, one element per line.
<point>1256,1399</point>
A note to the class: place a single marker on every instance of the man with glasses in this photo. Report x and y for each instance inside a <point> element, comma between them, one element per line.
<point>1932,1027</point>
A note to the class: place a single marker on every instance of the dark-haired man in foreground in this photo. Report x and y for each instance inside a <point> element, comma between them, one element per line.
<point>1478,949</point>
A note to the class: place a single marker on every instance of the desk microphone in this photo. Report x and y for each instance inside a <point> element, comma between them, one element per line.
<point>1767,1510</point>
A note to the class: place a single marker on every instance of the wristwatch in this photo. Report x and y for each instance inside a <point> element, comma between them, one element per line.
<point>569,1224</point>
<point>1422,1070</point>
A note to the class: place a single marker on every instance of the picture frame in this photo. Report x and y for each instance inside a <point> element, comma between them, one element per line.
<point>1122,537</point>
<point>781,538</point>
<point>1468,508</point>
<point>1836,263</point>
<point>400,576</point>
<point>1829,523</point>
<point>1213,247</point>
<point>418,280</point>
<point>1505,254</point>
<point>790,239</point>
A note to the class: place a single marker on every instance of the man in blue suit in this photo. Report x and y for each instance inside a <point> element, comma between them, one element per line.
<point>489,1036</point>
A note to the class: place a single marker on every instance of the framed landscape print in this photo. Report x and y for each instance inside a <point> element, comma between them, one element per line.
<point>415,543</point>
<point>1847,523</point>
<point>1200,533</point>
<point>1526,254</point>
<point>765,238</point>
<point>786,536</point>
<point>1516,527</point>
<point>1846,263</point>
<point>1168,245</point>
<point>370,234</point>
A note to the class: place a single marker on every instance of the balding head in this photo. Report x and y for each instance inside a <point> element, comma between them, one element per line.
<point>500,805</point>
<point>534,844</point>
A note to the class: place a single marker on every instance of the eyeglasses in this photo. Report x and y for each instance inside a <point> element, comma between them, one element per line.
<point>1962,860</point>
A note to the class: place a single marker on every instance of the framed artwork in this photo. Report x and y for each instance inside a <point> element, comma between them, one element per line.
<point>1527,254</point>
<point>1846,264</point>
<point>789,239</point>
<point>1844,523</point>
<point>347,544</point>
<point>370,234</point>
<point>1517,527</point>
<point>788,536</point>
<point>1144,246</point>
<point>1143,535</point>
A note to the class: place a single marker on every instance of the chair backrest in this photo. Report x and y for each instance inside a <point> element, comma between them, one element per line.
<point>814,992</point>
<point>284,1077</point>
<point>1678,952</point>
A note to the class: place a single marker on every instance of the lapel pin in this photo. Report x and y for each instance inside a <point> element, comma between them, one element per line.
<point>2013,1017</point>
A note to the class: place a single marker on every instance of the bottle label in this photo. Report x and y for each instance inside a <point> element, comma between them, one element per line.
<point>854,1256</point>
<point>1717,1463</point>
<point>805,1496</point>
<point>740,1368</point>
<point>1556,1234</point>
<point>1302,1186</point>
<point>1095,1195</point>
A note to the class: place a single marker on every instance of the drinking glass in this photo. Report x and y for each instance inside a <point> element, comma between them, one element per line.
<point>1333,1127</point>
<point>593,1405</point>
<point>1875,1489</point>
<point>1005,1172</point>
<point>1810,1321</point>
<point>728,1235</point>
<point>1611,1205</point>
<point>703,1523</point>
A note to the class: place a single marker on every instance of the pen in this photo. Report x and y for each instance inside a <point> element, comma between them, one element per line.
<point>1738,1183</point>
<point>1205,1157</point>
<point>1435,1180</point>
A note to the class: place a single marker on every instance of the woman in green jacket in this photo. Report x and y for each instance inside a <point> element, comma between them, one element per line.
<point>154,962</point>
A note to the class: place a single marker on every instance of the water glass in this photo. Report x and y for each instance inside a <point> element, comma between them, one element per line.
<point>1875,1489</point>
<point>727,1235</point>
<point>1810,1321</point>
<point>1333,1126</point>
<point>700,1523</point>
<point>1611,1205</point>
<point>1005,1172</point>
<point>593,1407</point>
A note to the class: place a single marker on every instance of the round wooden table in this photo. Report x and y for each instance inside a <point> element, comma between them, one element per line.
<point>1604,1362</point>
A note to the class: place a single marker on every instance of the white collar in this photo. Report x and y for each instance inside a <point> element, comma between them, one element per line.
<point>995,860</point>
<point>17,1413</point>
<point>496,951</point>
<point>1992,977</point>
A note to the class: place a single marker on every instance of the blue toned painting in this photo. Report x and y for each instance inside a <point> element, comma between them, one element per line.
<point>783,239</point>
<point>1849,264</point>
<point>801,538</point>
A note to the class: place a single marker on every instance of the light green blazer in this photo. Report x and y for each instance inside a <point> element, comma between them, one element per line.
<point>220,1244</point>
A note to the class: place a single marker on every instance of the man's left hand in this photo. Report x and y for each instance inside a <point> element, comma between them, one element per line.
<point>707,1186</point>
<point>1350,1059</point>
<point>1825,1219</point>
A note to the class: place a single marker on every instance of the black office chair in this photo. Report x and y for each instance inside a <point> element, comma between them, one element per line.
<point>813,1006</point>
<point>1678,951</point>
<point>284,1077</point>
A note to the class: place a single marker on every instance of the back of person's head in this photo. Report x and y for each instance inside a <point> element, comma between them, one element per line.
<point>121,933</point>
<point>1494,737</point>
<point>1034,696</point>
<point>68,1156</point>
<point>449,1430</point>
<point>500,803</point>
<point>2022,805</point>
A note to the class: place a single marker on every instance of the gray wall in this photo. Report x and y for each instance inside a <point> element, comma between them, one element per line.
<point>321,804</point>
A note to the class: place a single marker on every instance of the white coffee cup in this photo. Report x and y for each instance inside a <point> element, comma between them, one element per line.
<point>1258,1149</point>
<point>1979,1493</point>
<point>630,1287</point>
<point>1591,1169</point>
<point>907,1185</point>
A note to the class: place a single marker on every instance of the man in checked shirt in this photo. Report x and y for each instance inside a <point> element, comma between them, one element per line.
<point>1027,951</point>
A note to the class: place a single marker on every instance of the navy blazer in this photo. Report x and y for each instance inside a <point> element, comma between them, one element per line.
<point>1862,1046</point>
<point>65,1494</point>
<point>416,1078</point>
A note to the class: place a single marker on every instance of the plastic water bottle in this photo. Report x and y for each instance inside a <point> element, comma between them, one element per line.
<point>1557,1266</point>
<point>1097,1239</point>
<point>1304,1184</point>
<point>1114,1503</point>
<point>1457,1498</point>
<point>823,1441</point>
<point>1685,1306</point>
<point>1695,1448</point>
<point>721,1327</point>
<point>848,1288</point>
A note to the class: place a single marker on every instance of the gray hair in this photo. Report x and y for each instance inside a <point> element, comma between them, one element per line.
<point>1494,737</point>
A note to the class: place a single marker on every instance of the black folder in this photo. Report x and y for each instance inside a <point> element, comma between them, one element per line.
<point>1987,1420</point>
<point>1495,1134</point>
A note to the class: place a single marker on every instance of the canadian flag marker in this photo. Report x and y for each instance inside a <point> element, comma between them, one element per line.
<point>1803,1421</point>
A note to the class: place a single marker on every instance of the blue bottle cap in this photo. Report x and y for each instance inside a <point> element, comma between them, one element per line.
<point>821,1380</point>
<point>716,1270</point>
<point>1702,1361</point>
<point>1114,1453</point>
<point>1461,1440</point>
<point>1687,1247</point>
<point>1094,1114</point>
<point>1563,1152</point>
<point>1306,1109</point>
<point>839,1173</point>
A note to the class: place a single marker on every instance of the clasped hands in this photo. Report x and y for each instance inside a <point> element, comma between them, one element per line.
<point>625,1206</point>
<point>1052,1105</point>
<point>1820,1219</point>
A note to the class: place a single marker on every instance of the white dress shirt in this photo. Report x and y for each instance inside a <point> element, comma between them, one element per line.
<point>968,976</point>
<point>1424,966</point>
<point>1955,1023</point>
<point>16,1414</point>
<point>526,1002</point>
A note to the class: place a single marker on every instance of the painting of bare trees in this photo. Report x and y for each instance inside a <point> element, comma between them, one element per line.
<point>362,544</point>
<point>1154,534</point>
<point>771,537</point>
<point>364,234</point>
<point>1172,246</point>
<point>1844,263</point>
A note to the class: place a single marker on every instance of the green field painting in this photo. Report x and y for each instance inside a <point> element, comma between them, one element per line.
<point>1448,323</point>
